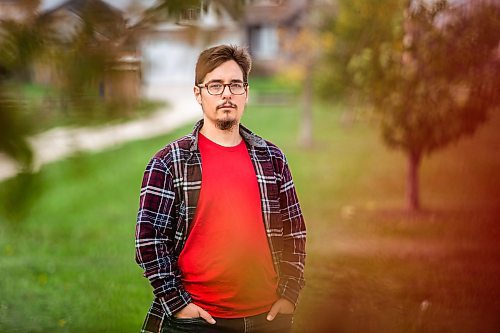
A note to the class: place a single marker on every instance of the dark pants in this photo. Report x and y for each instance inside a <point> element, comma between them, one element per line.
<point>254,324</point>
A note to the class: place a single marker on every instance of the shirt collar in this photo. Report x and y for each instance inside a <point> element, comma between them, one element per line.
<point>245,133</point>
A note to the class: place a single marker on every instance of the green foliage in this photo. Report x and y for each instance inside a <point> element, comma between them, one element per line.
<point>442,81</point>
<point>78,58</point>
<point>21,43</point>
<point>18,45</point>
<point>430,70</point>
<point>359,28</point>
<point>14,128</point>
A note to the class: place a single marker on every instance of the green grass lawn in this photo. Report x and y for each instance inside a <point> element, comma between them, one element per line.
<point>69,266</point>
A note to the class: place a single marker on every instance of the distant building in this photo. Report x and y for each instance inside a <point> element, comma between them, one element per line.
<point>269,26</point>
<point>170,48</point>
<point>154,48</point>
<point>63,24</point>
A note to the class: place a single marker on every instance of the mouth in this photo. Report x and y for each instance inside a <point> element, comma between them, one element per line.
<point>226,106</point>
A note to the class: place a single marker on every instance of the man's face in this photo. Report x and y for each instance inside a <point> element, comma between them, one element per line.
<point>224,110</point>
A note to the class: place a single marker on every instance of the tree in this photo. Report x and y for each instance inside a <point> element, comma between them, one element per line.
<point>357,26</point>
<point>19,43</point>
<point>81,57</point>
<point>432,75</point>
<point>305,47</point>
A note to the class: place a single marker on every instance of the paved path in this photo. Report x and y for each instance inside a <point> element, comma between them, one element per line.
<point>59,143</point>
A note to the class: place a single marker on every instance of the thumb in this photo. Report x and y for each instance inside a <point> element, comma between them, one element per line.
<point>205,315</point>
<point>273,312</point>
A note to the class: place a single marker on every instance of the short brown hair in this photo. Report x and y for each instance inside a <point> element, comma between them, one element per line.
<point>215,56</point>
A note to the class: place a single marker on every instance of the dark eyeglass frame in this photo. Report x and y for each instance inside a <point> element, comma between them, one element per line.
<point>245,86</point>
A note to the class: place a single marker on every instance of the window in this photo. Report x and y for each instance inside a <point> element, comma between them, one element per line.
<point>191,14</point>
<point>264,42</point>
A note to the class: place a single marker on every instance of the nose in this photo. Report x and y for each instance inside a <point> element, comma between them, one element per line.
<point>226,92</point>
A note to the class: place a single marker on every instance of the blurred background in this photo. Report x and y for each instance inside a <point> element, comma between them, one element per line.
<point>388,112</point>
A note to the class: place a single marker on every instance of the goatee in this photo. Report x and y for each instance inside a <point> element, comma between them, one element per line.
<point>225,125</point>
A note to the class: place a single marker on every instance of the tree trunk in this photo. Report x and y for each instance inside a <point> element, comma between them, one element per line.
<point>306,126</point>
<point>308,53</point>
<point>413,190</point>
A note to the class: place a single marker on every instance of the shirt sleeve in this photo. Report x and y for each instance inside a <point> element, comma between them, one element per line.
<point>294,240</point>
<point>154,237</point>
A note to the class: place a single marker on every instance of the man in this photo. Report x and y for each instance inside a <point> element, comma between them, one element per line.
<point>220,234</point>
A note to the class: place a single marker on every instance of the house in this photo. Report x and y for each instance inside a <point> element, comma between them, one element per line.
<point>269,26</point>
<point>67,19</point>
<point>170,48</point>
<point>100,26</point>
<point>165,51</point>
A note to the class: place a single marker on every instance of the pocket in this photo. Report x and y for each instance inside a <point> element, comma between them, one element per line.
<point>283,321</point>
<point>196,320</point>
<point>288,316</point>
<point>184,325</point>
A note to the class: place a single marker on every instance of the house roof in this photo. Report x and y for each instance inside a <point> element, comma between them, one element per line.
<point>80,6</point>
<point>107,20</point>
<point>16,10</point>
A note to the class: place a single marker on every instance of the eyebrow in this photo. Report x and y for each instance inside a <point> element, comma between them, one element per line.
<point>222,81</point>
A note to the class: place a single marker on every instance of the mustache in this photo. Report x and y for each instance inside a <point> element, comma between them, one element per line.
<point>226,104</point>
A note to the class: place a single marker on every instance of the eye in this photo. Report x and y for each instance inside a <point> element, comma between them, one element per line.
<point>215,86</point>
<point>237,85</point>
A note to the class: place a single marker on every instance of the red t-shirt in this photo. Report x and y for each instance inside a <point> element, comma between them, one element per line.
<point>226,263</point>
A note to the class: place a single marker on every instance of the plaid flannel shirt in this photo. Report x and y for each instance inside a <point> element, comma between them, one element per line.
<point>169,195</point>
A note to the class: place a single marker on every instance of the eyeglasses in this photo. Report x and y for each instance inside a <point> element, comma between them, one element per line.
<point>217,88</point>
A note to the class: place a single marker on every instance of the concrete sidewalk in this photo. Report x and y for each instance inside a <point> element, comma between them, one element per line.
<point>59,143</point>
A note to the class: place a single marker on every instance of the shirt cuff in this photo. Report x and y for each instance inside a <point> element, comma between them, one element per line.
<point>289,288</point>
<point>175,301</point>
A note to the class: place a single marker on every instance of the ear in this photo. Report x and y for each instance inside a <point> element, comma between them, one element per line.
<point>197,94</point>
<point>248,92</point>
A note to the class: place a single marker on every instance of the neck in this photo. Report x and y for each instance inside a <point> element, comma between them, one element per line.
<point>226,138</point>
